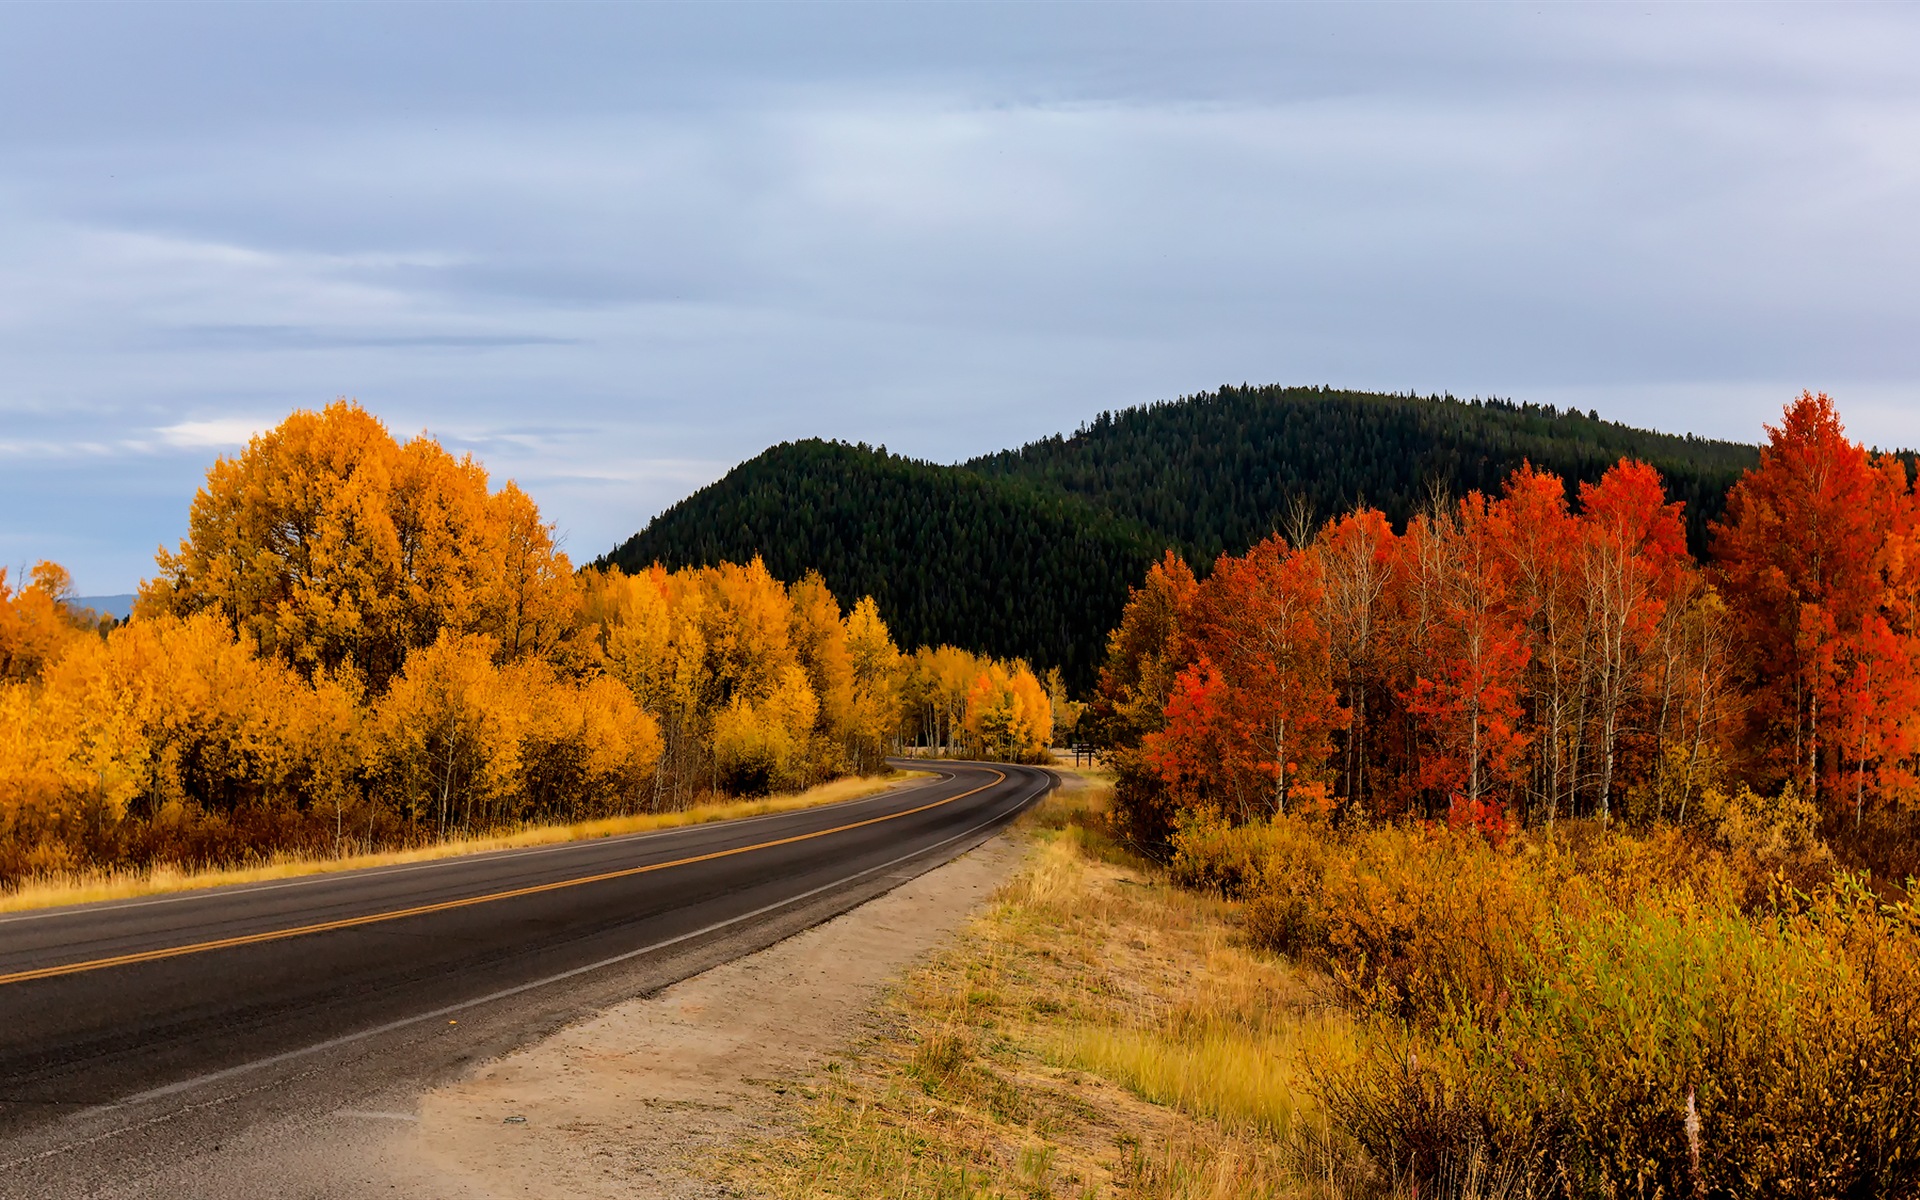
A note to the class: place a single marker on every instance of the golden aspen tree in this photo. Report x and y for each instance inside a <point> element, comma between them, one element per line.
<point>1008,715</point>
<point>620,744</point>
<point>445,544</point>
<point>293,542</point>
<point>763,743</point>
<point>529,600</point>
<point>330,544</point>
<point>748,624</point>
<point>444,740</point>
<point>820,640</point>
<point>875,663</point>
<point>44,783</point>
<point>933,694</point>
<point>35,622</point>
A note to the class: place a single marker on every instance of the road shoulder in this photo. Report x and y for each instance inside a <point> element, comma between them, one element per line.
<point>631,1101</point>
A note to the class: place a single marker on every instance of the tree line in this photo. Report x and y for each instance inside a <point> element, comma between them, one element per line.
<point>1217,471</point>
<point>361,643</point>
<point>1029,552</point>
<point>1542,652</point>
<point>950,556</point>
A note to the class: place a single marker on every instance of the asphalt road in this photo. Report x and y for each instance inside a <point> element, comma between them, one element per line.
<point>137,1035</point>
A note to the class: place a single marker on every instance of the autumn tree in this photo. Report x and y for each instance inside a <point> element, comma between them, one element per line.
<point>1258,619</point>
<point>1802,558</point>
<point>1356,553</point>
<point>1008,713</point>
<point>934,695</point>
<point>1469,651</point>
<point>1634,562</point>
<point>331,545</point>
<point>874,714</point>
<point>1534,527</point>
<point>1144,653</point>
<point>36,622</point>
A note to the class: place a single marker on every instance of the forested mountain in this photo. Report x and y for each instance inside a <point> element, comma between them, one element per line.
<point>1217,472</point>
<point>1030,552</point>
<point>951,556</point>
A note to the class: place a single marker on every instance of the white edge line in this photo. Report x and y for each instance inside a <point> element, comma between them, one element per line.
<point>173,1089</point>
<point>252,889</point>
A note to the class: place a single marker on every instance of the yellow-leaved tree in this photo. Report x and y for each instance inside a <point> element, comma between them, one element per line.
<point>361,643</point>
<point>331,545</point>
<point>874,718</point>
<point>1009,714</point>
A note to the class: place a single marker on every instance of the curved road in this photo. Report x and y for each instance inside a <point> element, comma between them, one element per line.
<point>137,1035</point>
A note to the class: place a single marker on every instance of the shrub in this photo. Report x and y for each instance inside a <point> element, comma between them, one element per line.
<point>1599,1014</point>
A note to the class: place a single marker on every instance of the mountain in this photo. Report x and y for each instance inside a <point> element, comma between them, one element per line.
<point>950,555</point>
<point>1217,472</point>
<point>1031,551</point>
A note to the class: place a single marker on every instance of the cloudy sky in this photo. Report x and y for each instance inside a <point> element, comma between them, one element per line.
<point>613,249</point>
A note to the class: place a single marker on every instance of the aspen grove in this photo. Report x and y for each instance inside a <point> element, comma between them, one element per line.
<point>361,644</point>
<point>1513,660</point>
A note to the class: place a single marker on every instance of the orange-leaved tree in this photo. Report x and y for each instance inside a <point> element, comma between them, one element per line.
<point>1257,620</point>
<point>1356,555</point>
<point>1467,646</point>
<point>1802,556</point>
<point>1633,563</point>
<point>330,544</point>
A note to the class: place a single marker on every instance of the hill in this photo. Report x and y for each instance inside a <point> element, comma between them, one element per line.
<point>1031,551</point>
<point>1217,472</point>
<point>950,555</point>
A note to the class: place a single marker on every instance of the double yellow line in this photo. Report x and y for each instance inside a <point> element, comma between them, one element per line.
<point>274,935</point>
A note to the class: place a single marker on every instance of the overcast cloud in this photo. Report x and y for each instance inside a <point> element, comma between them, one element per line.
<point>615,249</point>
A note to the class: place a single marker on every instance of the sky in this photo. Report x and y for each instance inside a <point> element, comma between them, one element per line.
<point>611,250</point>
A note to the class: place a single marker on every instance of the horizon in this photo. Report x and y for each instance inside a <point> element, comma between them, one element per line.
<point>1083,427</point>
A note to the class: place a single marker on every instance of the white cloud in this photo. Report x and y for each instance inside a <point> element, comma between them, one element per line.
<point>215,433</point>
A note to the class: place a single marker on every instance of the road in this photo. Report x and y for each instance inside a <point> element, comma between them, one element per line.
<point>137,1037</point>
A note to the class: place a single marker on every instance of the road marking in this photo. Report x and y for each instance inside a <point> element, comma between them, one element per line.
<point>186,1085</point>
<point>274,935</point>
<point>225,890</point>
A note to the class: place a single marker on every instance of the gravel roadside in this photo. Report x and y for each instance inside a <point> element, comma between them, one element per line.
<point>630,1102</point>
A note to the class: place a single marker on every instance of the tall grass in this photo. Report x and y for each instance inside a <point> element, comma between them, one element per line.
<point>1097,1033</point>
<point>1249,1084</point>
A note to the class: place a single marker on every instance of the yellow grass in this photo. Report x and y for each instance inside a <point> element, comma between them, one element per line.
<point>1096,1033</point>
<point>1244,1082</point>
<point>86,887</point>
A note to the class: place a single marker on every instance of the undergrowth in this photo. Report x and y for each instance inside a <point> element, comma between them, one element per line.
<point>1297,1009</point>
<point>1595,1015</point>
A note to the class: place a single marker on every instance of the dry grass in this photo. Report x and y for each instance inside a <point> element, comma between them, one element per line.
<point>85,887</point>
<point>1097,1032</point>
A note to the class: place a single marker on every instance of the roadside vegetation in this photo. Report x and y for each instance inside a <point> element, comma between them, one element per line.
<point>1297,1009</point>
<point>362,646</point>
<point>1097,1031</point>
<point>1516,852</point>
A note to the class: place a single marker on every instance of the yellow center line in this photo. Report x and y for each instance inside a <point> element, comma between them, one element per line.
<point>274,935</point>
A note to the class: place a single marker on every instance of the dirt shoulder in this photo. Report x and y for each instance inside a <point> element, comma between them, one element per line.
<point>634,1101</point>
